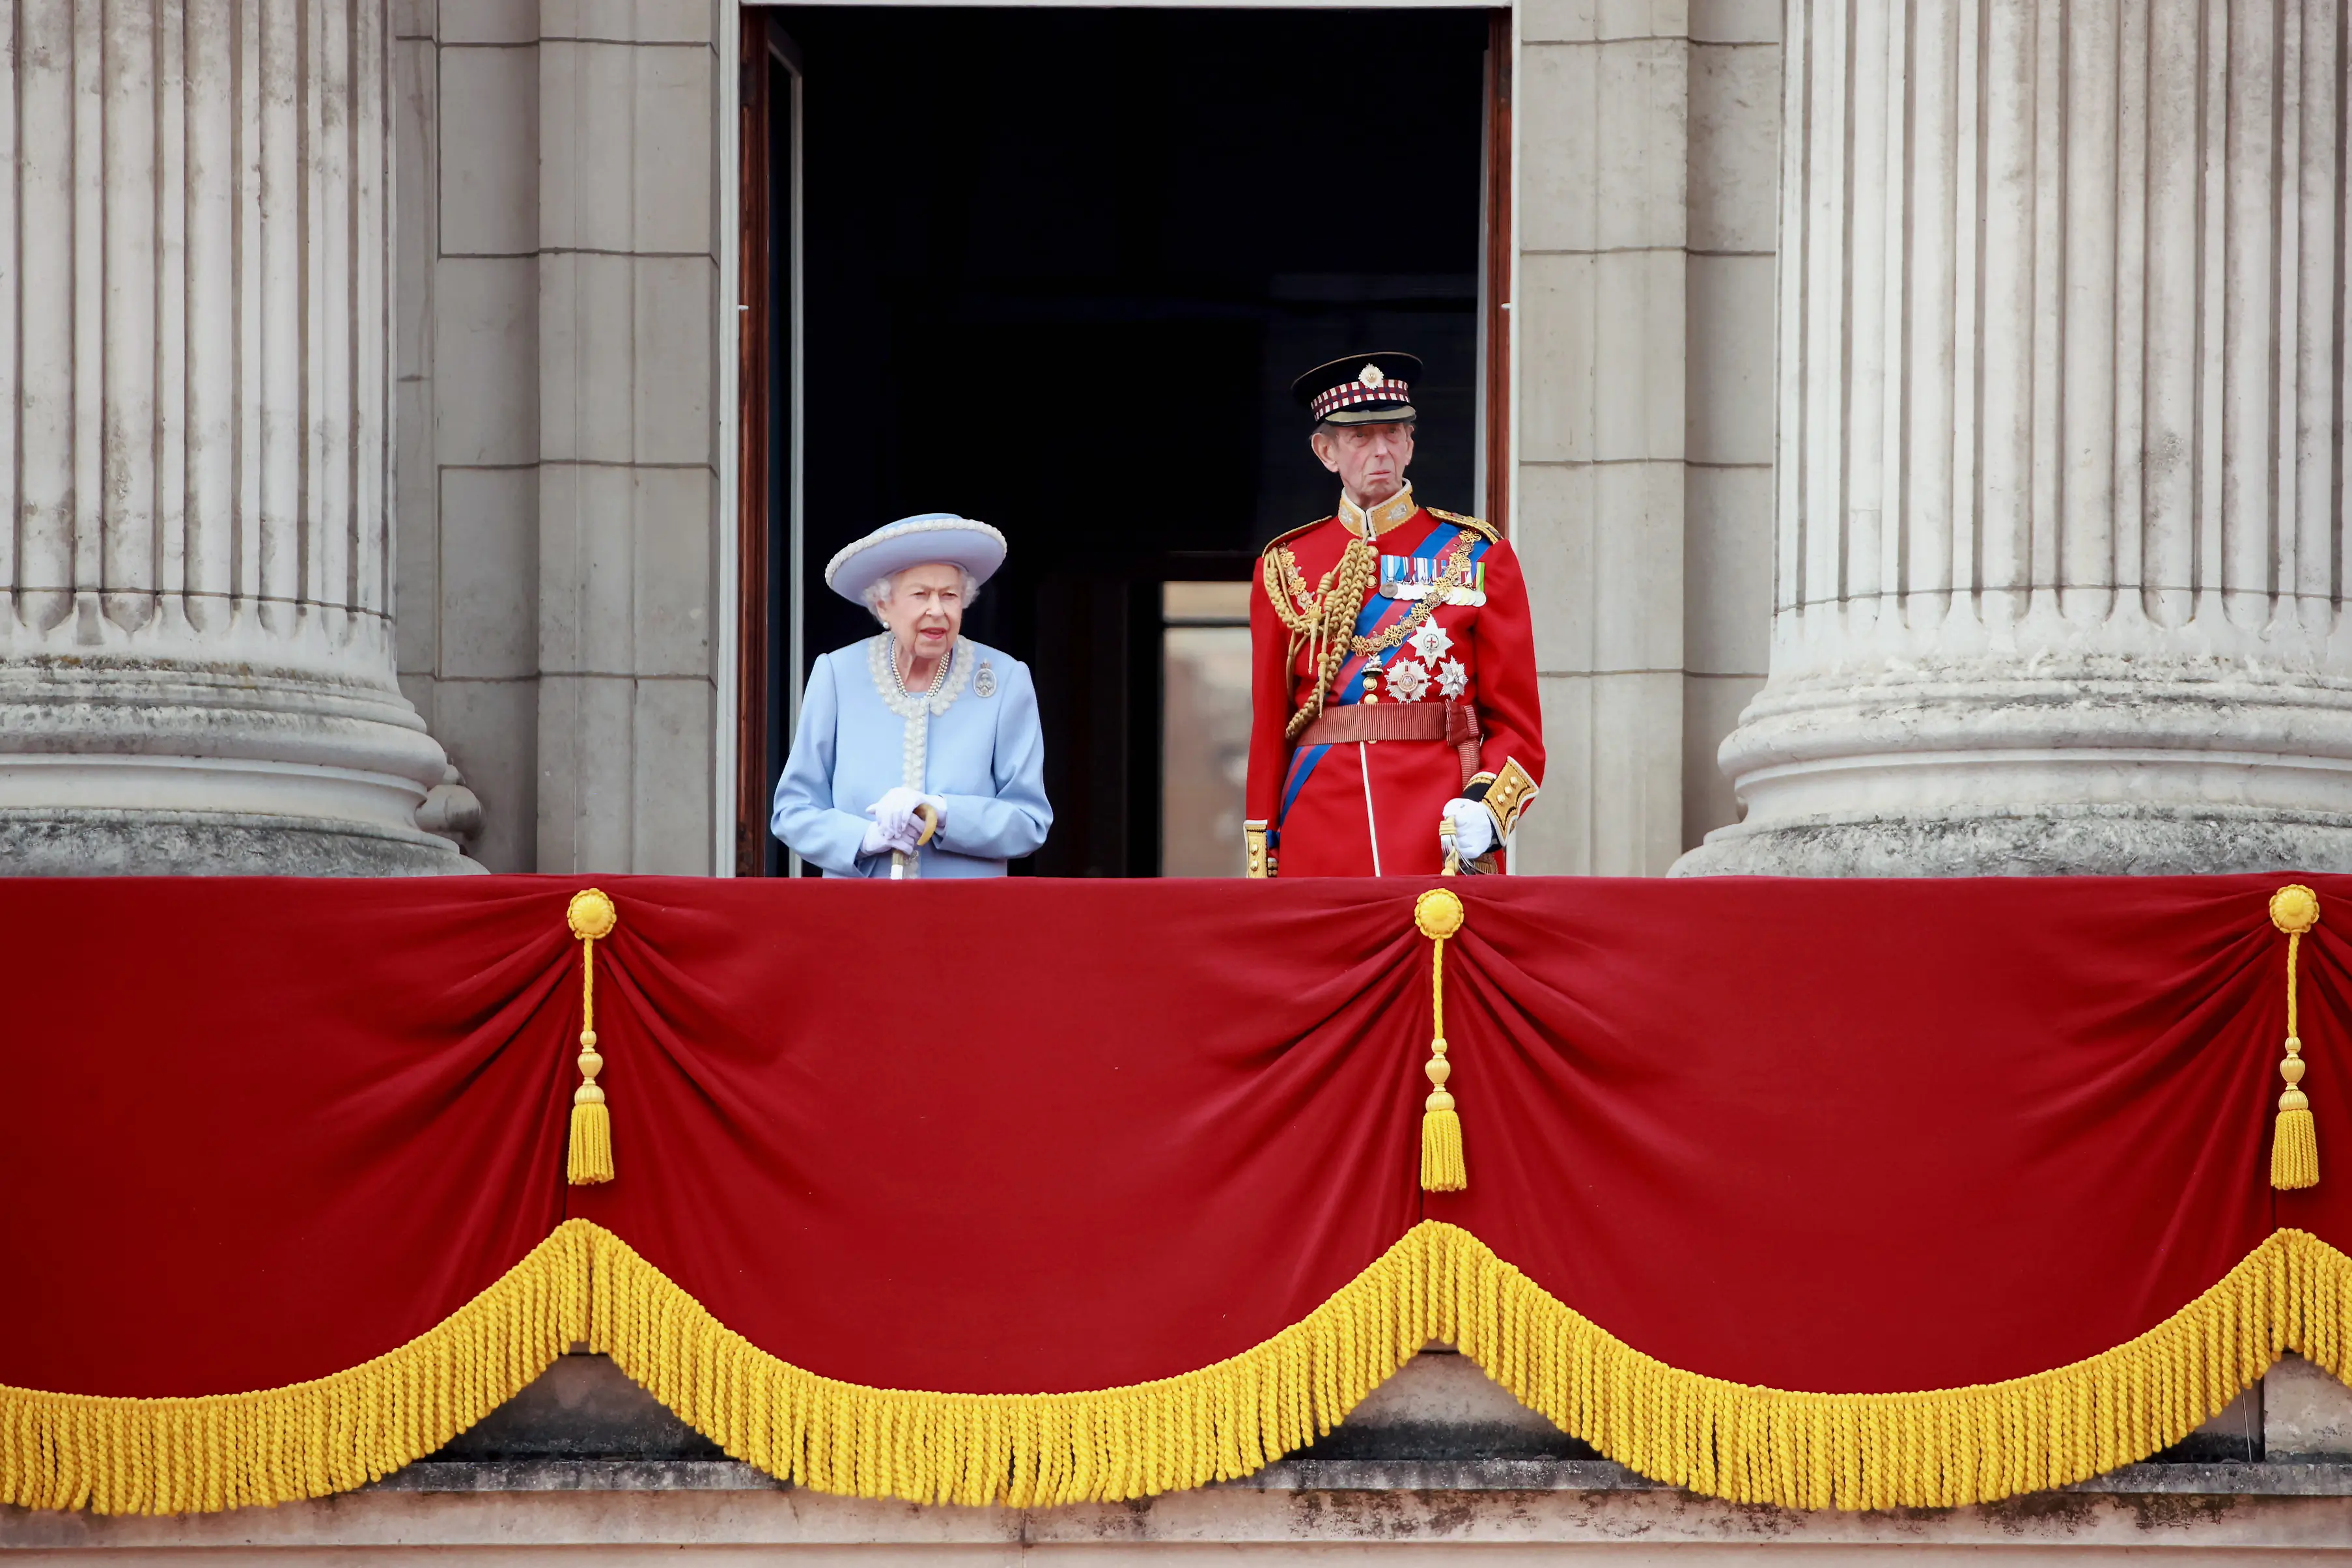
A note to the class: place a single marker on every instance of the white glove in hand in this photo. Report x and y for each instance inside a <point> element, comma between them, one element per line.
<point>1474,828</point>
<point>895,813</point>
<point>878,840</point>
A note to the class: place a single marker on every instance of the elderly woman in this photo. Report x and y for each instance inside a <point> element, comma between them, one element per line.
<point>918,752</point>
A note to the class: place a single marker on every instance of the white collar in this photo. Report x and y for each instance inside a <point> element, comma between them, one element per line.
<point>880,662</point>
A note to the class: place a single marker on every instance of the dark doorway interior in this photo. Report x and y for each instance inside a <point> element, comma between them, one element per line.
<point>1060,268</point>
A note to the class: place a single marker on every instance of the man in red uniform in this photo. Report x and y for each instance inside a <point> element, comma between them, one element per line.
<point>1394,671</point>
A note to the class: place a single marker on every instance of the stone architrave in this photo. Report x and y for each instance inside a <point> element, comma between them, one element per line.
<point>195,644</point>
<point>2062,556</point>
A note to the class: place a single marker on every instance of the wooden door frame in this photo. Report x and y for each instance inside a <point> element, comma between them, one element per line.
<point>752,520</point>
<point>764,48</point>
<point>1500,259</point>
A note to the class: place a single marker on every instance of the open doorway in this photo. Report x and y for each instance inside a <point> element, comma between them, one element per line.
<point>1055,268</point>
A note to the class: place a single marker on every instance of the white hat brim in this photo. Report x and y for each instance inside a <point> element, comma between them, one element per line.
<point>915,541</point>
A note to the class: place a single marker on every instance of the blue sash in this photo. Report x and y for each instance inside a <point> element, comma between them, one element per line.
<point>1378,614</point>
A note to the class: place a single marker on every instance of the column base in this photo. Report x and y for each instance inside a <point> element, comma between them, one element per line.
<point>2062,763</point>
<point>55,842</point>
<point>2039,841</point>
<point>114,764</point>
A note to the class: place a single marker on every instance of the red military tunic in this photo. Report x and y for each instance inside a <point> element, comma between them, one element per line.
<point>1450,629</point>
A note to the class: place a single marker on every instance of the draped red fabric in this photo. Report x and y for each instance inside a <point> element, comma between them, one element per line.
<point>1857,1137</point>
<point>264,1130</point>
<point>1012,1137</point>
<point>1027,1136</point>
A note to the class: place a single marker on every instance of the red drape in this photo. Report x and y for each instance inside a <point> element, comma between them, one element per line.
<point>1861,1137</point>
<point>1025,1136</point>
<point>264,1130</point>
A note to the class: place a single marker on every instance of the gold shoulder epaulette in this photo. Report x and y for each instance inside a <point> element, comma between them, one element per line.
<point>1280,539</point>
<point>1486,531</point>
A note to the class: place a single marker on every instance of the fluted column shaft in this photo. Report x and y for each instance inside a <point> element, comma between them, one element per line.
<point>2061,547</point>
<point>195,655</point>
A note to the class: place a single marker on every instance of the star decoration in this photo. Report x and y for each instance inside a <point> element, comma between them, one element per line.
<point>1452,678</point>
<point>1407,680</point>
<point>1431,643</point>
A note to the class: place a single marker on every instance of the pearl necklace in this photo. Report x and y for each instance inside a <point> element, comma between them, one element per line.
<point>939,676</point>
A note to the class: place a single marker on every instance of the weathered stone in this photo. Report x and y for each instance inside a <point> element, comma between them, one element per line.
<point>582,1408</point>
<point>548,1510</point>
<point>197,668</point>
<point>2305,1477</point>
<point>2305,1412</point>
<point>1441,1406</point>
<point>2060,447</point>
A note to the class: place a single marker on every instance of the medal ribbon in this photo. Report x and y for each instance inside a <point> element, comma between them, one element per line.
<point>1378,616</point>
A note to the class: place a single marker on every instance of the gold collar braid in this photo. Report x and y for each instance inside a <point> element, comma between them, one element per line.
<point>1371,521</point>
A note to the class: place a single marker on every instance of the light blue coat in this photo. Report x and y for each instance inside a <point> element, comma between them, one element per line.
<point>976,745</point>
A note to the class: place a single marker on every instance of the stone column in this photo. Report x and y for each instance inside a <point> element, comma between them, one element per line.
<point>195,653</point>
<point>2061,551</point>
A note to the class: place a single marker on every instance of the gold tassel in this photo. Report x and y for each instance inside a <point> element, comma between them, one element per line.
<point>592,916</point>
<point>1438,914</point>
<point>2294,1144</point>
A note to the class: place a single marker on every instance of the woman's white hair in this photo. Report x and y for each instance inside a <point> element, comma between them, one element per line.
<point>878,592</point>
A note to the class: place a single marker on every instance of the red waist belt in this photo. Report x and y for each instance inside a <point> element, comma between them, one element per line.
<point>1454,723</point>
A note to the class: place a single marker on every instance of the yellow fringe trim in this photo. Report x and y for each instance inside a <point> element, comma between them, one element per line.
<point>204,1454</point>
<point>1939,1448</point>
<point>1022,1450</point>
<point>1935,1449</point>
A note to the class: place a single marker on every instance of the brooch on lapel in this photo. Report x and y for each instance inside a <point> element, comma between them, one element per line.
<point>986,681</point>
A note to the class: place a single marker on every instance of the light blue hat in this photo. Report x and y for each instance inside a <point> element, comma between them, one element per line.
<point>915,541</point>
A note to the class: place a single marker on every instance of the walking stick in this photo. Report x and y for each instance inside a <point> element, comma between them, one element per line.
<point>898,857</point>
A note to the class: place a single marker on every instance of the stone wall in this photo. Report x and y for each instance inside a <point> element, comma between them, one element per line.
<point>1648,136</point>
<point>558,363</point>
<point>1520,1513</point>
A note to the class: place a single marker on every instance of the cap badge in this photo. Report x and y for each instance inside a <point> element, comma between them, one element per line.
<point>1371,375</point>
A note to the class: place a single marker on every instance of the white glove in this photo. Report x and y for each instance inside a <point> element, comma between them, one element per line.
<point>879,838</point>
<point>895,813</point>
<point>1474,828</point>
